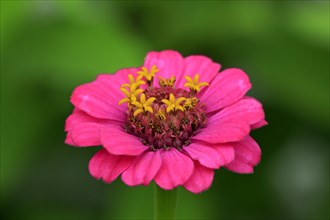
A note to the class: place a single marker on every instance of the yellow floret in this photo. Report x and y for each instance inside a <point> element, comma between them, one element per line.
<point>173,104</point>
<point>144,105</point>
<point>193,84</point>
<point>149,75</point>
<point>137,82</point>
<point>131,94</point>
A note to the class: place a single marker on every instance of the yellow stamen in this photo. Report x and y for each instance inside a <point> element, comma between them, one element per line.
<point>190,102</point>
<point>144,105</point>
<point>137,82</point>
<point>161,114</point>
<point>131,95</point>
<point>173,104</point>
<point>166,82</point>
<point>193,84</point>
<point>149,75</point>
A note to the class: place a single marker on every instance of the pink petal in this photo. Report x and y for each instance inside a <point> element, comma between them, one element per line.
<point>223,132</point>
<point>86,134</point>
<point>107,166</point>
<point>259,124</point>
<point>175,170</point>
<point>78,117</point>
<point>120,77</point>
<point>232,123</point>
<point>83,129</point>
<point>226,88</point>
<point>100,98</point>
<point>200,180</point>
<point>143,169</point>
<point>211,155</point>
<point>168,62</point>
<point>247,109</point>
<point>68,140</point>
<point>247,155</point>
<point>201,65</point>
<point>118,142</point>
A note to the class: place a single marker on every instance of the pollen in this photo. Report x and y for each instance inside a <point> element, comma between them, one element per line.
<point>193,84</point>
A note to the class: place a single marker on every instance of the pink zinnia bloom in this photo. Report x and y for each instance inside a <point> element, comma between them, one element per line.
<point>174,120</point>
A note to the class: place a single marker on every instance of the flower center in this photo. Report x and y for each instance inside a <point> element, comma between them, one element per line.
<point>166,116</point>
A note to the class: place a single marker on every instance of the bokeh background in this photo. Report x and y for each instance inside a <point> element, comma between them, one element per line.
<point>50,47</point>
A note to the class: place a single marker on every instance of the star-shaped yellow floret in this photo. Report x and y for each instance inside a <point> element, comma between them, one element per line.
<point>137,82</point>
<point>144,105</point>
<point>149,75</point>
<point>131,94</point>
<point>173,104</point>
<point>193,84</point>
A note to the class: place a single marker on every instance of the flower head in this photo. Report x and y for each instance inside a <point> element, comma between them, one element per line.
<point>170,131</point>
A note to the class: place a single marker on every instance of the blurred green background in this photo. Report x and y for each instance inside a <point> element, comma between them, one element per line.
<point>50,47</point>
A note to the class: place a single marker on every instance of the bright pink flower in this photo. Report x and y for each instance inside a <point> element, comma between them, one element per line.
<point>174,120</point>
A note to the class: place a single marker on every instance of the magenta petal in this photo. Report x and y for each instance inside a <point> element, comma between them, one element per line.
<point>175,170</point>
<point>78,117</point>
<point>233,122</point>
<point>227,153</point>
<point>107,166</point>
<point>143,169</point>
<point>100,98</point>
<point>68,140</point>
<point>259,124</point>
<point>200,180</point>
<point>226,88</point>
<point>168,62</point>
<point>120,77</point>
<point>201,65</point>
<point>83,129</point>
<point>96,102</point>
<point>86,134</point>
<point>247,109</point>
<point>247,155</point>
<point>211,156</point>
<point>223,132</point>
<point>118,142</point>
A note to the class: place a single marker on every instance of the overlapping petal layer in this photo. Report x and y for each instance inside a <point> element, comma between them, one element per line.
<point>247,155</point>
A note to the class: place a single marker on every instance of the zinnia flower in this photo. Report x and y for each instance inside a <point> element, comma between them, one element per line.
<point>175,120</point>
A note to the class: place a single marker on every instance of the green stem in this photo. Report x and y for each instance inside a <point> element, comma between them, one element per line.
<point>165,203</point>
